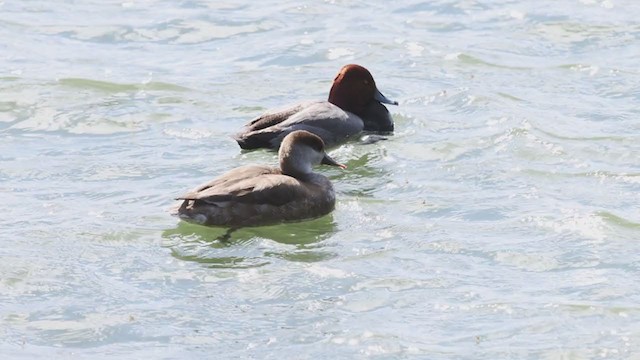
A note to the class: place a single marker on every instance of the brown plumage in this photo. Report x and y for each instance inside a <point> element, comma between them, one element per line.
<point>260,195</point>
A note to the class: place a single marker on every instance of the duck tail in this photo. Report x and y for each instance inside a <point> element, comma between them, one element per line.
<point>257,139</point>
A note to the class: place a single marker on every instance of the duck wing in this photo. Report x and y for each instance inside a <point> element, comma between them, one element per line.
<point>259,132</point>
<point>274,117</point>
<point>236,175</point>
<point>322,118</point>
<point>265,186</point>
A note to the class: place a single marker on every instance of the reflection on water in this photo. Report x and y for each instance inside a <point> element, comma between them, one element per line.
<point>251,247</point>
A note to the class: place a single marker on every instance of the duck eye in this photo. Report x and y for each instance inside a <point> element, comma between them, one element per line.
<point>366,82</point>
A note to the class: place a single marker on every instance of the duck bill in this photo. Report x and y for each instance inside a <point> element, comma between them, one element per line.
<point>383,99</point>
<point>327,160</point>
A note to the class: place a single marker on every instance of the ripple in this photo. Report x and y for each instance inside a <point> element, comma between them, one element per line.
<point>473,60</point>
<point>117,108</point>
<point>619,221</point>
<point>89,328</point>
<point>111,87</point>
<point>529,262</point>
<point>588,225</point>
<point>176,31</point>
<point>195,32</point>
<point>251,247</point>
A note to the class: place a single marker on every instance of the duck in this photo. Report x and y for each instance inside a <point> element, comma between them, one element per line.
<point>354,105</point>
<point>257,195</point>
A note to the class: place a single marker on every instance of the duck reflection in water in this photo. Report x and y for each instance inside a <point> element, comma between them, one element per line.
<point>299,242</point>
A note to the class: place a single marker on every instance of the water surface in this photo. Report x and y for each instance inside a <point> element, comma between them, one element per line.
<point>501,220</point>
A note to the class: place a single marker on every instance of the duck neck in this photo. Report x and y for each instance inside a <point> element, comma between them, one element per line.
<point>337,99</point>
<point>340,97</point>
<point>294,164</point>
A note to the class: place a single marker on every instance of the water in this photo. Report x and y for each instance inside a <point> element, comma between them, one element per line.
<point>501,220</point>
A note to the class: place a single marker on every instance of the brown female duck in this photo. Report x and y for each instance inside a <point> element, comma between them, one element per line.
<point>257,195</point>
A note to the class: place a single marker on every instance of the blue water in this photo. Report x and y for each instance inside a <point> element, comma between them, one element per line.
<point>500,221</point>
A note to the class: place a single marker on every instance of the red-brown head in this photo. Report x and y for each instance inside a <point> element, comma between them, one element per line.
<point>354,89</point>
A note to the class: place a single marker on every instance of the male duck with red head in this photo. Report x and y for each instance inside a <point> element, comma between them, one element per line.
<point>354,105</point>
